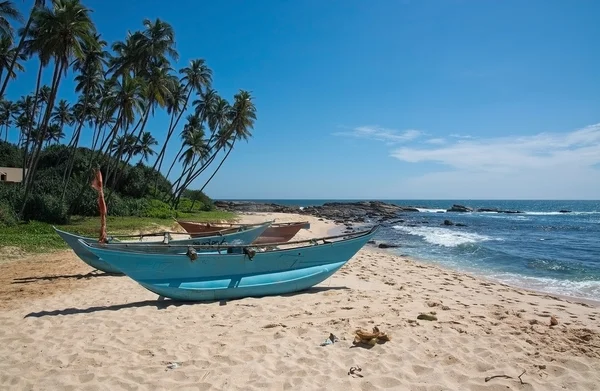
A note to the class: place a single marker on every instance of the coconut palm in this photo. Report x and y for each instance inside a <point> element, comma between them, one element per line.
<point>193,124</point>
<point>196,77</point>
<point>7,111</point>
<point>91,69</point>
<point>21,46</point>
<point>62,114</point>
<point>243,115</point>
<point>144,147</point>
<point>53,133</point>
<point>8,11</point>
<point>7,53</point>
<point>61,31</point>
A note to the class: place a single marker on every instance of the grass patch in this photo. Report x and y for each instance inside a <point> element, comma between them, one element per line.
<point>38,237</point>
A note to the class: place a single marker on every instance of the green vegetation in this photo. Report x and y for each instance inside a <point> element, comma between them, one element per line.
<point>37,237</point>
<point>120,87</point>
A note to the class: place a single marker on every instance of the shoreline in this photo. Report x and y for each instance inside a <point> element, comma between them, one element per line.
<point>572,299</point>
<point>68,328</point>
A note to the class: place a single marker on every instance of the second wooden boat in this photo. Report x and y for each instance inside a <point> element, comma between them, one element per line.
<point>276,233</point>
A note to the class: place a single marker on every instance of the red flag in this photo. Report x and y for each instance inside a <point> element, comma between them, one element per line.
<point>97,184</point>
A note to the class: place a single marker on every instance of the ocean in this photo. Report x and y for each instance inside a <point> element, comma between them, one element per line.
<point>540,249</point>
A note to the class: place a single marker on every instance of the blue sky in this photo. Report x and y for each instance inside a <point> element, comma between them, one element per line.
<point>393,99</point>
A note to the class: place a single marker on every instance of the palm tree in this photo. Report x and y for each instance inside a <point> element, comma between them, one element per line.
<point>90,68</point>
<point>243,115</point>
<point>19,49</point>
<point>7,112</point>
<point>144,147</point>
<point>54,133</point>
<point>61,31</point>
<point>193,124</point>
<point>8,11</point>
<point>197,76</point>
<point>7,53</point>
<point>62,114</point>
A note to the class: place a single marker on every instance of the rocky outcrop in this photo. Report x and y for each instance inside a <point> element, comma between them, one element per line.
<point>340,212</point>
<point>387,245</point>
<point>564,211</point>
<point>448,222</point>
<point>459,208</point>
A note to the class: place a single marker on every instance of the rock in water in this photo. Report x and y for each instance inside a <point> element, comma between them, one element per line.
<point>386,245</point>
<point>459,208</point>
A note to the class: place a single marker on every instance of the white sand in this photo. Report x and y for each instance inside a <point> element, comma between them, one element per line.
<point>109,333</point>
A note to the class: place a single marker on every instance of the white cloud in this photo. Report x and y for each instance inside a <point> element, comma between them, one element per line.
<point>580,148</point>
<point>436,141</point>
<point>545,165</point>
<point>378,133</point>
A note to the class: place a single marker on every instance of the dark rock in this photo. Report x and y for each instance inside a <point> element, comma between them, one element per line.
<point>396,221</point>
<point>340,212</point>
<point>460,225</point>
<point>448,222</point>
<point>387,245</point>
<point>510,211</point>
<point>564,211</point>
<point>459,208</point>
<point>488,210</point>
<point>371,242</point>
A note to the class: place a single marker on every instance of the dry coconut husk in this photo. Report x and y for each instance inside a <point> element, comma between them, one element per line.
<point>370,338</point>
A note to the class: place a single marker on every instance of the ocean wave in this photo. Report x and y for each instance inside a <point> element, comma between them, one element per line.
<point>427,210</point>
<point>589,289</point>
<point>443,236</point>
<point>559,213</point>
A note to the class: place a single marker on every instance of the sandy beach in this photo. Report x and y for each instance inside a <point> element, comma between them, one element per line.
<point>65,327</point>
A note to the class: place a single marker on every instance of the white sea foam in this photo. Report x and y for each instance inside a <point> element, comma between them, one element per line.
<point>582,289</point>
<point>427,210</point>
<point>443,236</point>
<point>559,213</point>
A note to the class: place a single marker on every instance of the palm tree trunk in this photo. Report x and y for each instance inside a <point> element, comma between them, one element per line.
<point>30,125</point>
<point>130,154</point>
<point>163,150</point>
<point>13,61</point>
<point>219,166</point>
<point>42,129</point>
<point>176,204</point>
<point>118,157</point>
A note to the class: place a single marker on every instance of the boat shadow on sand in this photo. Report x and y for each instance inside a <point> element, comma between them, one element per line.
<point>80,276</point>
<point>163,303</point>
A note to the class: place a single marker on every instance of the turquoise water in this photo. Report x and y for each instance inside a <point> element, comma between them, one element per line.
<point>539,249</point>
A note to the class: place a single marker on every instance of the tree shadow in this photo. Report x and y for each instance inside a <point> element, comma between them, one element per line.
<point>27,280</point>
<point>161,303</point>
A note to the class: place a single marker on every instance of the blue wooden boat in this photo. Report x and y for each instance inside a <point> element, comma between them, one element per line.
<point>236,236</point>
<point>241,271</point>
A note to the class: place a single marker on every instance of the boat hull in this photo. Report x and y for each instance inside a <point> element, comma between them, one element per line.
<point>229,276</point>
<point>246,236</point>
<point>84,254</point>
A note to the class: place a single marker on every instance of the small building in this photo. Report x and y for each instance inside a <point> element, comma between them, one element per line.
<point>11,174</point>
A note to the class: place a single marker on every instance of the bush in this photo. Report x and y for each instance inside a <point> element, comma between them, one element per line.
<point>46,208</point>
<point>159,210</point>
<point>8,217</point>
